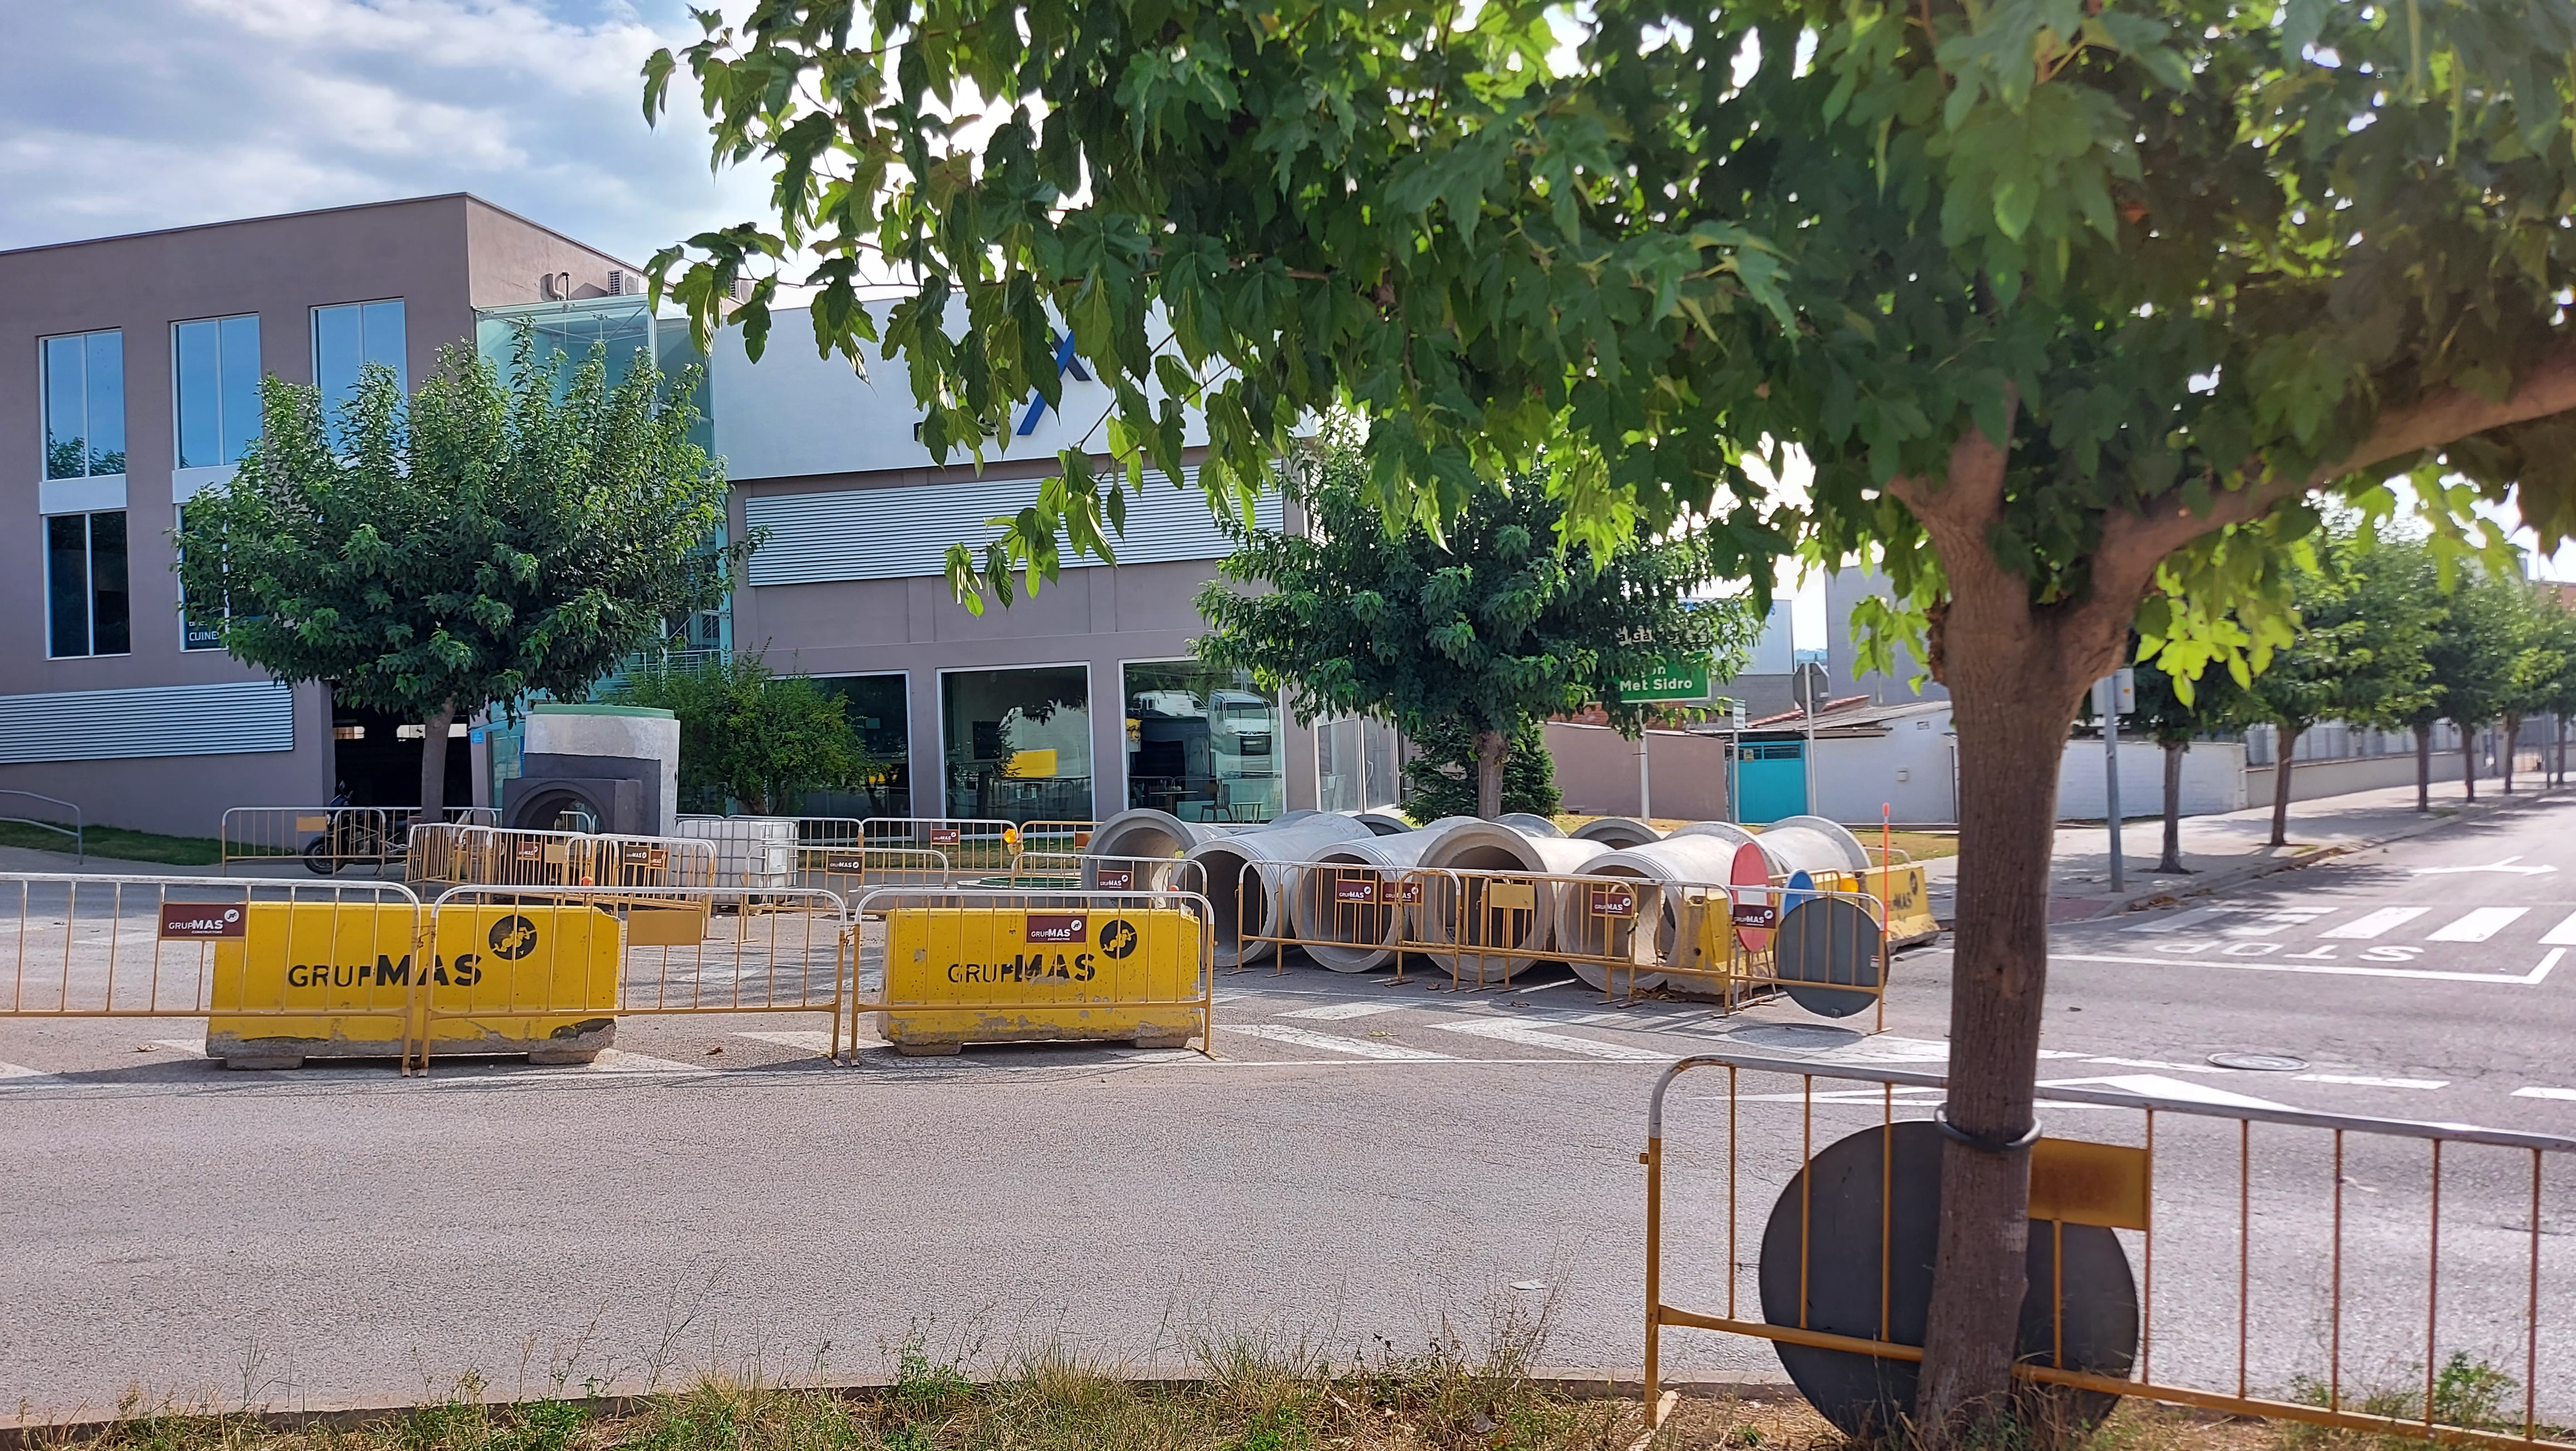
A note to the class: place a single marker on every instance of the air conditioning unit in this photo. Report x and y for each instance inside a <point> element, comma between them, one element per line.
<point>622,283</point>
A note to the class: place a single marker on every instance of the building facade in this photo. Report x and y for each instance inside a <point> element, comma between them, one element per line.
<point>135,385</point>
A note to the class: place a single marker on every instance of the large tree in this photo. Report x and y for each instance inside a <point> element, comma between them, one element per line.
<point>2060,297</point>
<point>487,538</point>
<point>1482,629</point>
<point>2359,654</point>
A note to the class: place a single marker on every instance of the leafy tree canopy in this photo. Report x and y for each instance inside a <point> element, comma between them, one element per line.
<point>1440,775</point>
<point>1482,629</point>
<point>486,539</point>
<point>750,736</point>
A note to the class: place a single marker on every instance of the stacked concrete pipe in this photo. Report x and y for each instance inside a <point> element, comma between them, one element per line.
<point>1147,835</point>
<point>1529,825</point>
<point>1356,937</point>
<point>1490,846</point>
<point>1227,868</point>
<point>1726,831</point>
<point>1617,832</point>
<point>1680,858</point>
<point>1383,823</point>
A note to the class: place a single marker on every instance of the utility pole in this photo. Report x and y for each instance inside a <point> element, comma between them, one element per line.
<point>2113,696</point>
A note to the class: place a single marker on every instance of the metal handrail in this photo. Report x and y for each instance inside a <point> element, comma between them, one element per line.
<point>77,831</point>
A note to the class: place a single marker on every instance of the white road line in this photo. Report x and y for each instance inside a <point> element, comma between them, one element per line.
<point>2569,1093</point>
<point>813,1039</point>
<point>2158,1063</point>
<point>2478,925</point>
<point>2532,978</point>
<point>18,1075</point>
<point>2562,935</point>
<point>618,1060</point>
<point>2271,922</point>
<point>2179,920</point>
<point>2372,924</point>
<point>1335,1012</point>
<point>2359,1081</point>
<point>1331,1043</point>
<point>1529,1037</point>
<point>1543,987</point>
<point>194,1048</point>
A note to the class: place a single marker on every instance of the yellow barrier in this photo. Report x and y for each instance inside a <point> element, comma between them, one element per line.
<point>332,982</point>
<point>1027,967</point>
<point>1904,902</point>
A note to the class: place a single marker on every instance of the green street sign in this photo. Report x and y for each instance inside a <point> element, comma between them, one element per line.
<point>1671,680</point>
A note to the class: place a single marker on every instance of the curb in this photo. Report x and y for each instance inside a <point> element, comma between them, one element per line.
<point>1582,1385</point>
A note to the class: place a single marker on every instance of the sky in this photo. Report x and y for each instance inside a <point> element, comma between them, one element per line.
<point>131,115</point>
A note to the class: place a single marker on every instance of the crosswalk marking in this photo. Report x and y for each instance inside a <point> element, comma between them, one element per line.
<point>2562,935</point>
<point>2545,1093</point>
<point>2373,924</point>
<point>1335,1012</point>
<point>2180,920</point>
<point>1529,1037</point>
<point>2478,925</point>
<point>2271,922</point>
<point>1331,1043</point>
<point>2353,1080</point>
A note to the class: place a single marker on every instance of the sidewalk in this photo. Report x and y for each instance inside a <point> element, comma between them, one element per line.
<point>2224,850</point>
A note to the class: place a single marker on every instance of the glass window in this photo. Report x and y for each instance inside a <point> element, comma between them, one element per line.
<point>88,612</point>
<point>193,635</point>
<point>880,709</point>
<point>1203,744</point>
<point>1018,743</point>
<point>218,380</point>
<point>1355,766</point>
<point>347,338</point>
<point>84,378</point>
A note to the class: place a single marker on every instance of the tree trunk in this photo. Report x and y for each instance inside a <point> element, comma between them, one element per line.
<point>2423,768</point>
<point>2468,758</point>
<point>2512,736</point>
<point>1492,749</point>
<point>2172,861</point>
<point>2285,739</point>
<point>433,762</point>
<point>2558,723</point>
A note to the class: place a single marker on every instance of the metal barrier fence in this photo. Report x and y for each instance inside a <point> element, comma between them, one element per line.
<point>850,868</point>
<point>989,965</point>
<point>329,839</point>
<point>513,857</point>
<point>2372,1275</point>
<point>77,946</point>
<point>975,847</point>
<point>1081,871</point>
<point>616,951</point>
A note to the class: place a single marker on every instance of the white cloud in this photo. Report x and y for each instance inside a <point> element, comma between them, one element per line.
<point>159,113</point>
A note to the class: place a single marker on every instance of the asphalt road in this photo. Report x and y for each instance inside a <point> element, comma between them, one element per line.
<point>1362,1159</point>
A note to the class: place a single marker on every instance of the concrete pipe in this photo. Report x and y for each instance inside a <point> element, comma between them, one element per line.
<point>1524,822</point>
<point>1355,936</point>
<point>1490,846</point>
<point>1855,855</point>
<point>1250,862</point>
<point>1806,849</point>
<point>1383,823</point>
<point>1143,831</point>
<point>1726,831</point>
<point>1617,832</point>
<point>1699,859</point>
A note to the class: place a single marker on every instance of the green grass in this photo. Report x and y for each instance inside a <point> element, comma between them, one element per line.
<point>119,844</point>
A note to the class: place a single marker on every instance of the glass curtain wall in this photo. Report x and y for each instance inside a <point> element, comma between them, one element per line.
<point>1203,744</point>
<point>1017,743</point>
<point>879,709</point>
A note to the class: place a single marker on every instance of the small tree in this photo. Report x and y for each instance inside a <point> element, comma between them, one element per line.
<point>2539,661</point>
<point>479,542</point>
<point>1481,630</point>
<point>1440,780</point>
<point>750,736</point>
<point>2471,653</point>
<point>2556,693</point>
<point>2173,714</point>
<point>2358,655</point>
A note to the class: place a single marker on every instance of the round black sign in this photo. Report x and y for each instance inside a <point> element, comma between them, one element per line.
<point>513,937</point>
<point>1118,937</point>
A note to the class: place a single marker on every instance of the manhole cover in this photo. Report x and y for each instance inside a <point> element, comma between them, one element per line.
<point>2259,1062</point>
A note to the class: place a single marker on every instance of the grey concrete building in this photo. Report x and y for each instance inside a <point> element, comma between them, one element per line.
<point>134,385</point>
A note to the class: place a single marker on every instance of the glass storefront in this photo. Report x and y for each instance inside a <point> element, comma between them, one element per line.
<point>1203,744</point>
<point>1017,743</point>
<point>880,710</point>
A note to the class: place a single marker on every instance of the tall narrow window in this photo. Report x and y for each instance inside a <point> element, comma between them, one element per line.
<point>84,377</point>
<point>194,632</point>
<point>218,373</point>
<point>347,338</point>
<point>87,607</point>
